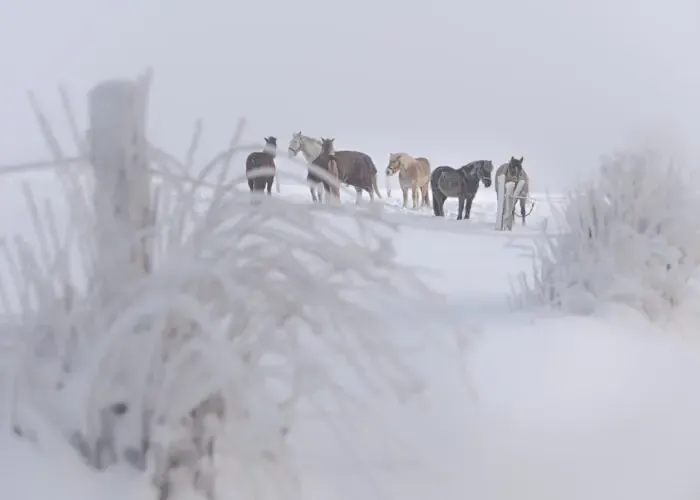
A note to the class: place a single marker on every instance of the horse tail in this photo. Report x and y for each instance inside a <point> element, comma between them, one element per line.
<point>436,197</point>
<point>439,183</point>
<point>372,169</point>
<point>374,184</point>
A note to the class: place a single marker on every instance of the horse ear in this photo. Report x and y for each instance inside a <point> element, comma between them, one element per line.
<point>521,159</point>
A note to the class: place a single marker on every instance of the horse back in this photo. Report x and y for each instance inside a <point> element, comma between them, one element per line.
<point>435,174</point>
<point>355,168</point>
<point>422,166</point>
<point>259,159</point>
<point>501,170</point>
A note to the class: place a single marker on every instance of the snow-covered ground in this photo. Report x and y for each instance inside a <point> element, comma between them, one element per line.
<point>535,405</point>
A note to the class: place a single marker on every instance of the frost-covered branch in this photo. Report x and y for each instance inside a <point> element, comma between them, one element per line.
<point>252,306</point>
<point>629,236</point>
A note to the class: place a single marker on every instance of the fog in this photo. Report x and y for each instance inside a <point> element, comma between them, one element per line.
<point>555,81</point>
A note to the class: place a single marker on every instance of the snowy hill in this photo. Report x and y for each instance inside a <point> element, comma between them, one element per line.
<point>522,404</point>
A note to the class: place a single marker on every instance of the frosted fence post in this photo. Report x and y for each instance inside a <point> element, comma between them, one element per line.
<point>508,201</point>
<point>119,156</point>
<point>500,201</point>
<point>517,193</point>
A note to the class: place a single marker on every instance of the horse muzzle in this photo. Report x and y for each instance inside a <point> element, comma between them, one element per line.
<point>291,153</point>
<point>487,182</point>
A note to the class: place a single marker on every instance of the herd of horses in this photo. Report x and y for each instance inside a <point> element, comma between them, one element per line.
<point>329,168</point>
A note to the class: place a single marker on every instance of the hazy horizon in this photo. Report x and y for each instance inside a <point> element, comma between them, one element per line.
<point>555,81</point>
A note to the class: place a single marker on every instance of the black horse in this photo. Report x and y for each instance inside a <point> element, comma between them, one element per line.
<point>462,183</point>
<point>262,159</point>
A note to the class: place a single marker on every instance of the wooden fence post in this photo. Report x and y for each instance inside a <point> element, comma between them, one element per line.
<point>119,156</point>
<point>500,201</point>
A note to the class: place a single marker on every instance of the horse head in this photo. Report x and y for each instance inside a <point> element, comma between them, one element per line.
<point>294,144</point>
<point>483,172</point>
<point>395,162</point>
<point>328,146</point>
<point>515,168</point>
<point>480,169</point>
<point>270,145</point>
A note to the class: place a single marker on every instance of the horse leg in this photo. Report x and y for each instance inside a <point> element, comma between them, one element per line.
<point>371,194</point>
<point>426,195</point>
<point>414,193</point>
<point>251,185</point>
<point>404,191</point>
<point>460,212</point>
<point>358,195</point>
<point>312,190</point>
<point>330,192</point>
<point>468,209</point>
<point>436,207</point>
<point>522,210</point>
<point>269,186</point>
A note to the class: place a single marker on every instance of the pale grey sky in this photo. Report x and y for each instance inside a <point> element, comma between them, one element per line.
<point>557,81</point>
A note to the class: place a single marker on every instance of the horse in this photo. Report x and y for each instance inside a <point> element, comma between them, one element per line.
<point>355,168</point>
<point>414,173</point>
<point>514,172</point>
<point>262,159</point>
<point>463,183</point>
<point>327,161</point>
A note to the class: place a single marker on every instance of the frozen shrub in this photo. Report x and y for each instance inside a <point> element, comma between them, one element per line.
<point>249,308</point>
<point>630,235</point>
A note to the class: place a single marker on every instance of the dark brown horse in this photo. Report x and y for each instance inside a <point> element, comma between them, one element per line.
<point>262,159</point>
<point>328,162</point>
<point>355,169</point>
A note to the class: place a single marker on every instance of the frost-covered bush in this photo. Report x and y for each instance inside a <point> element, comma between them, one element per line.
<point>251,307</point>
<point>630,235</point>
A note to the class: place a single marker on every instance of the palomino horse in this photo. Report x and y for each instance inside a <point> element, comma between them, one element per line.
<point>262,159</point>
<point>355,169</point>
<point>461,183</point>
<point>414,174</point>
<point>514,172</point>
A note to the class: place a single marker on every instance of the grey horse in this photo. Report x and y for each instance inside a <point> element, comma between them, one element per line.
<point>514,172</point>
<point>462,183</point>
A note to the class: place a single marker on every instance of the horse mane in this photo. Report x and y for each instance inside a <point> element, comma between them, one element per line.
<point>314,139</point>
<point>471,166</point>
<point>404,158</point>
